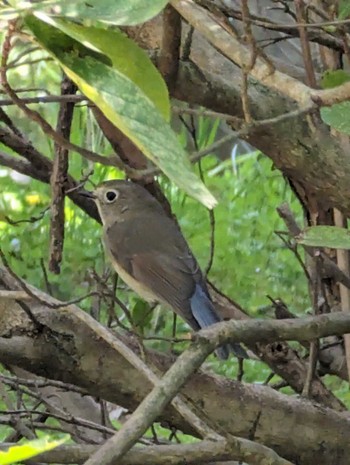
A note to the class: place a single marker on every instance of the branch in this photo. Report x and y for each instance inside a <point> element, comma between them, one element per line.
<point>258,330</point>
<point>329,268</point>
<point>39,167</point>
<point>58,178</point>
<point>320,37</point>
<point>208,25</point>
<point>228,44</point>
<point>76,349</point>
<point>168,63</point>
<point>280,357</point>
<point>191,454</point>
<point>46,99</point>
<point>152,406</point>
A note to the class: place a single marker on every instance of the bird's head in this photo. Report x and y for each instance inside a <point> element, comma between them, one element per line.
<point>118,199</point>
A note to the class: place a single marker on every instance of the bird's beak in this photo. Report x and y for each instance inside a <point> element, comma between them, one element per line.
<point>88,194</point>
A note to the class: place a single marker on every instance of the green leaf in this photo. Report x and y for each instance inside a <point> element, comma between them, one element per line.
<point>125,55</point>
<point>125,105</point>
<point>344,9</point>
<point>30,449</point>
<point>333,237</point>
<point>334,78</point>
<point>119,12</point>
<point>337,116</point>
<point>141,314</point>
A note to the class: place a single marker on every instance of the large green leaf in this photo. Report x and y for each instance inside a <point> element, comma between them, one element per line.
<point>30,449</point>
<point>325,236</point>
<point>124,104</point>
<point>337,116</point>
<point>125,55</point>
<point>334,78</point>
<point>120,12</point>
<point>344,9</point>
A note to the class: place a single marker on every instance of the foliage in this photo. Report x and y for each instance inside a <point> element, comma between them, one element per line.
<point>250,260</point>
<point>29,449</point>
<point>121,81</point>
<point>344,9</point>
<point>338,115</point>
<point>120,12</point>
<point>325,236</point>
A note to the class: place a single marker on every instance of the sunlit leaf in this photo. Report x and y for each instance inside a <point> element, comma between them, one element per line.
<point>125,55</point>
<point>124,104</point>
<point>30,449</point>
<point>120,12</point>
<point>325,236</point>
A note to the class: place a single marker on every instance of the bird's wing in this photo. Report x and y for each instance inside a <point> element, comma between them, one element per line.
<point>157,256</point>
<point>167,277</point>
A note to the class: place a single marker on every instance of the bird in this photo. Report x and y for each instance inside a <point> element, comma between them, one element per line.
<point>149,252</point>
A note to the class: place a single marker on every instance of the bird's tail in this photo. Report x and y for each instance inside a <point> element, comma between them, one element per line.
<point>205,314</point>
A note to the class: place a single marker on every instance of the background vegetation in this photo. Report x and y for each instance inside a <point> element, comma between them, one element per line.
<point>252,264</point>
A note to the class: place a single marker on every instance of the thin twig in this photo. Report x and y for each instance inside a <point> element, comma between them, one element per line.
<point>329,268</point>
<point>35,296</point>
<point>32,219</point>
<point>193,133</point>
<point>58,179</point>
<point>343,264</point>
<point>46,278</point>
<point>241,133</point>
<point>155,402</point>
<point>314,344</point>
<point>16,421</point>
<point>46,99</point>
<point>249,39</point>
<point>15,381</point>
<point>305,45</point>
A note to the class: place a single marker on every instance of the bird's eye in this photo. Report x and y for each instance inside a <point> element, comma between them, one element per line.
<point>111,196</point>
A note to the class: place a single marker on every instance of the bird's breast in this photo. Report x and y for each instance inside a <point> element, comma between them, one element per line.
<point>135,285</point>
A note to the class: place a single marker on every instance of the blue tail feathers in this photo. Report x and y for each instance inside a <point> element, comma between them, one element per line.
<point>205,314</point>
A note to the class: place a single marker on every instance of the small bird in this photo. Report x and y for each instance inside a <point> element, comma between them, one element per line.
<point>150,254</point>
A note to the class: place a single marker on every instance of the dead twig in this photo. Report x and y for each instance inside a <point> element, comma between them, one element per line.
<point>305,45</point>
<point>58,178</point>
<point>343,264</point>
<point>314,344</point>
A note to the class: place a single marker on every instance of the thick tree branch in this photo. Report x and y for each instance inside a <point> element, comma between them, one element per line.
<point>209,25</point>
<point>191,454</point>
<point>171,42</point>
<point>293,372</point>
<point>76,349</point>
